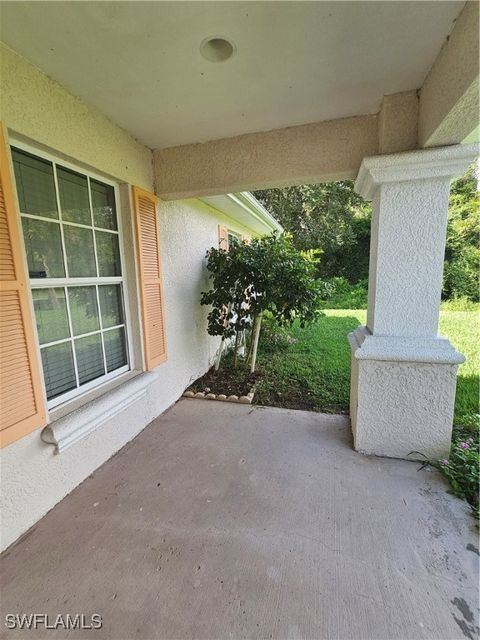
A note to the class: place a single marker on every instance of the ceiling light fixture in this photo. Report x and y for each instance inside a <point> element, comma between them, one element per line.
<point>217,49</point>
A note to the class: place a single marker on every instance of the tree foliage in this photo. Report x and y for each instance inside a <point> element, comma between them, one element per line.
<point>328,217</point>
<point>462,254</point>
<point>333,219</point>
<point>266,274</point>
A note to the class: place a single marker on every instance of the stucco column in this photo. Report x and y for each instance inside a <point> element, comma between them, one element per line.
<point>403,373</point>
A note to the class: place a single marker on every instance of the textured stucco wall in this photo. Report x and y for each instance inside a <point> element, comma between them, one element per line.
<point>410,246</point>
<point>449,98</point>
<point>37,107</point>
<point>409,194</point>
<point>294,155</point>
<point>33,478</point>
<point>398,122</point>
<point>404,407</point>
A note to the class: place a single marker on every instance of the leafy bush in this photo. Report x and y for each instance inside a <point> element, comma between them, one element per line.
<point>462,466</point>
<point>266,274</point>
<point>460,276</point>
<point>346,295</point>
<point>275,337</point>
<point>462,254</point>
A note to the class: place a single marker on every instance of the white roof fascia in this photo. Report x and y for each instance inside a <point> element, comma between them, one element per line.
<point>244,208</point>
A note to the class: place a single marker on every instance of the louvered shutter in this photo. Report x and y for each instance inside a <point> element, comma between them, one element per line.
<point>22,403</point>
<point>150,272</point>
<point>222,237</point>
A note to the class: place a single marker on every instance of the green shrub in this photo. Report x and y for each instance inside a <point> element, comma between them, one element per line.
<point>461,468</point>
<point>274,337</point>
<point>462,254</point>
<point>346,295</point>
<point>460,276</point>
<point>265,274</point>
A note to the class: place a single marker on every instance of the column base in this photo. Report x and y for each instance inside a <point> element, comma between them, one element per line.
<point>402,395</point>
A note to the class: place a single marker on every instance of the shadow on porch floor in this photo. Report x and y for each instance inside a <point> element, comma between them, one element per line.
<point>228,521</point>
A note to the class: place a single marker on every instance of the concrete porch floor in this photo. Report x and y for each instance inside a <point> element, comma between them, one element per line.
<point>227,521</point>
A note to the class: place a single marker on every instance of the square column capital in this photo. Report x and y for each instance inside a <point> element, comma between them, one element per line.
<point>424,164</point>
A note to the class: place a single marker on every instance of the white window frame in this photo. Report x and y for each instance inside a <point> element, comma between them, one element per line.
<point>50,283</point>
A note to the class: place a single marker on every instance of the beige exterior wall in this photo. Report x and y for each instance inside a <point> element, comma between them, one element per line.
<point>398,122</point>
<point>33,105</point>
<point>449,99</point>
<point>33,477</point>
<point>322,151</point>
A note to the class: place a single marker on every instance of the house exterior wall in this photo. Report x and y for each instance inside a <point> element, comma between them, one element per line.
<point>37,107</point>
<point>33,477</point>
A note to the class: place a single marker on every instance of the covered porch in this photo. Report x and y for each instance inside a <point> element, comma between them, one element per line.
<point>231,521</point>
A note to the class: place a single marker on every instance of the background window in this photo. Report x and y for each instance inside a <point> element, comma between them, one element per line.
<point>232,238</point>
<point>70,230</point>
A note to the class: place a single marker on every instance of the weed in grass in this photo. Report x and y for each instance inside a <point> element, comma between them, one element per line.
<point>461,469</point>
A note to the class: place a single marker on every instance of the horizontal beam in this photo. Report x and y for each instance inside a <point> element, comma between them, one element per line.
<point>449,98</point>
<point>318,152</point>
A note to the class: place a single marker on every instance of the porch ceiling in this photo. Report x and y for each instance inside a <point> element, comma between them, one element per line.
<point>296,62</point>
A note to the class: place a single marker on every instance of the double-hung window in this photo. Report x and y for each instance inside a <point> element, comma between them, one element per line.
<point>72,241</point>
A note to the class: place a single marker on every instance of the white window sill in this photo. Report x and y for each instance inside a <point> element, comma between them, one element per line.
<point>76,425</point>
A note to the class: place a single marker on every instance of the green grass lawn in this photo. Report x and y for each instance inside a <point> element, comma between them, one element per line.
<point>314,372</point>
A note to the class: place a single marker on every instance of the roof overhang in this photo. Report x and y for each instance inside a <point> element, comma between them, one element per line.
<point>295,62</point>
<point>313,87</point>
<point>245,209</point>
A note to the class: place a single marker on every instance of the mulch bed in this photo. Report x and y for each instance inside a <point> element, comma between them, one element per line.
<point>227,380</point>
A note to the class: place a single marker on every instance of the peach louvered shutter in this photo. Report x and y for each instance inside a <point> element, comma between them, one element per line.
<point>22,403</point>
<point>222,237</point>
<point>150,272</point>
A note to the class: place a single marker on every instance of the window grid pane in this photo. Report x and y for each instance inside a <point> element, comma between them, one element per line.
<point>103,205</point>
<point>83,310</point>
<point>58,369</point>
<point>74,199</point>
<point>35,184</point>
<point>115,348</point>
<point>51,314</point>
<point>43,246</point>
<point>81,329</point>
<point>90,359</point>
<point>80,251</point>
<point>108,253</point>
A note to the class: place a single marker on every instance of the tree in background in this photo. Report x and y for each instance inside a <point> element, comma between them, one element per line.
<point>329,217</point>
<point>333,219</point>
<point>462,253</point>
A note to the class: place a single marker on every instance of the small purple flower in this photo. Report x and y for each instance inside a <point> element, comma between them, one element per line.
<point>444,462</point>
<point>464,445</point>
